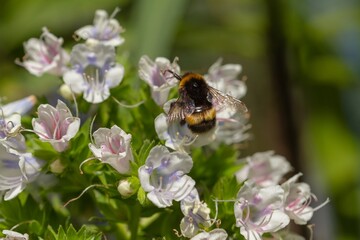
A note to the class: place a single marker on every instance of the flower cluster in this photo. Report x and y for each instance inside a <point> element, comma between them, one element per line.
<point>153,170</point>
<point>264,205</point>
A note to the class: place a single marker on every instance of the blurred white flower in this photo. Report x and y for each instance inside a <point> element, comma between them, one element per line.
<point>196,214</point>
<point>298,197</point>
<point>20,106</point>
<point>160,81</point>
<point>45,55</point>
<point>112,146</point>
<point>105,29</point>
<point>94,71</point>
<point>231,130</point>
<point>263,169</point>
<point>12,235</point>
<point>224,78</point>
<point>16,170</point>
<point>56,125</point>
<point>260,210</point>
<point>163,176</point>
<point>216,234</point>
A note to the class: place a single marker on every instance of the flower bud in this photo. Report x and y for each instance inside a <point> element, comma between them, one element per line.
<point>66,92</point>
<point>57,167</point>
<point>128,187</point>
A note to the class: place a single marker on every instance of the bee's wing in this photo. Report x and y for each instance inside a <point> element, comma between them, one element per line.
<point>182,107</point>
<point>221,101</point>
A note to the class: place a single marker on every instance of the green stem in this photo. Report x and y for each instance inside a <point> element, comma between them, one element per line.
<point>134,213</point>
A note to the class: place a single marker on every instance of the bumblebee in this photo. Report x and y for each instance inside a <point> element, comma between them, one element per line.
<point>198,103</point>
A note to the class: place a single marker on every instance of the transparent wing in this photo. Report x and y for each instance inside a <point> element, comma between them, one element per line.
<point>223,101</point>
<point>182,107</point>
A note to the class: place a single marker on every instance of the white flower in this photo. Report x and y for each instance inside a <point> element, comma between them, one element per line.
<point>105,29</point>
<point>196,214</point>
<point>12,235</point>
<point>21,106</point>
<point>264,169</point>
<point>45,55</point>
<point>231,130</point>
<point>112,146</point>
<point>178,136</point>
<point>160,82</point>
<point>10,123</point>
<point>16,170</point>
<point>298,197</point>
<point>95,71</point>
<point>224,78</point>
<point>163,176</point>
<point>56,125</point>
<point>10,136</point>
<point>216,234</point>
<point>260,210</point>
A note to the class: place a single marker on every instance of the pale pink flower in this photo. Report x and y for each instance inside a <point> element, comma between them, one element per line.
<point>298,197</point>
<point>45,55</point>
<point>160,81</point>
<point>264,169</point>
<point>56,125</point>
<point>224,78</point>
<point>260,210</point>
<point>105,29</point>
<point>112,146</point>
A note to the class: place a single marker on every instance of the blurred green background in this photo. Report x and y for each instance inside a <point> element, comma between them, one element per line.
<point>301,60</point>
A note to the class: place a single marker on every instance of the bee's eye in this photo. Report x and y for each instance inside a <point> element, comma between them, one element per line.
<point>195,85</point>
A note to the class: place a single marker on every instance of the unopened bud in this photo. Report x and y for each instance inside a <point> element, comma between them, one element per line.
<point>66,92</point>
<point>127,187</point>
<point>57,167</point>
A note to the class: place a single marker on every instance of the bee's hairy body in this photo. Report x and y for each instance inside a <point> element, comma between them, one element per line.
<point>203,118</point>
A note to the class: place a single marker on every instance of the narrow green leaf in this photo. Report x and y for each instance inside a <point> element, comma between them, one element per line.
<point>141,196</point>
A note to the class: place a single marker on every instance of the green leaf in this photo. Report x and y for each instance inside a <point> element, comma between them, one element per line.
<point>141,196</point>
<point>50,234</point>
<point>225,189</point>
<point>61,234</point>
<point>71,233</point>
<point>85,233</point>
<point>144,151</point>
<point>45,154</point>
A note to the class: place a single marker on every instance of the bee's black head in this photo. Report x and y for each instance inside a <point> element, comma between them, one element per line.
<point>194,85</point>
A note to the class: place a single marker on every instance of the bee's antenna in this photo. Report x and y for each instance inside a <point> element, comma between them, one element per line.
<point>175,75</point>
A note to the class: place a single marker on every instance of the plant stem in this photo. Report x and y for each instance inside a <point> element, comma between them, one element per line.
<point>134,220</point>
